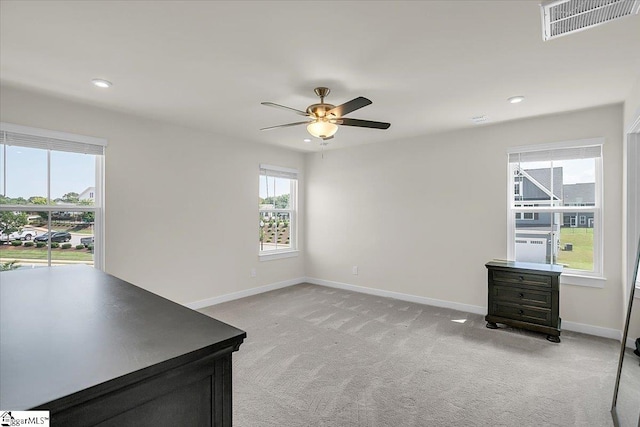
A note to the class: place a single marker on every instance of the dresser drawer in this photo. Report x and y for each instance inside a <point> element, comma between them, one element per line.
<point>513,277</point>
<point>540,316</point>
<point>521,295</point>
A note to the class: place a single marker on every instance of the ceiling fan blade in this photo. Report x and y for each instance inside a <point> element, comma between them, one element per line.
<point>287,125</point>
<point>282,107</point>
<point>364,123</point>
<point>349,106</point>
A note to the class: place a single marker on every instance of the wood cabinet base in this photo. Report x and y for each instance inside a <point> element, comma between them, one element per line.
<point>524,295</point>
<point>553,334</point>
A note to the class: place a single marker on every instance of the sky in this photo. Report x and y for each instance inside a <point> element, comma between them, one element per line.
<point>276,187</point>
<point>26,172</point>
<point>573,171</point>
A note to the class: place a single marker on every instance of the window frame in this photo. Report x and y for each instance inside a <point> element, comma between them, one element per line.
<point>97,208</point>
<point>593,278</point>
<point>293,175</point>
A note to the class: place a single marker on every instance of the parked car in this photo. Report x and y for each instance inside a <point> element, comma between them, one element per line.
<point>87,241</point>
<point>56,236</point>
<point>24,234</point>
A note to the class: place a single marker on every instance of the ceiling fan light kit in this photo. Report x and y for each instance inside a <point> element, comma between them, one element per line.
<point>324,118</point>
<point>322,129</point>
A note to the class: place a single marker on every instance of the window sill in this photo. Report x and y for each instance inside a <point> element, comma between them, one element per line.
<point>577,280</point>
<point>278,255</point>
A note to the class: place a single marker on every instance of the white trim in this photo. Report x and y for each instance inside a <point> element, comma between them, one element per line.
<point>635,126</point>
<point>476,309</point>
<point>279,168</point>
<point>598,209</point>
<point>265,256</point>
<point>556,145</point>
<point>467,308</point>
<point>631,343</point>
<point>582,280</point>
<point>598,331</point>
<point>243,294</point>
<point>632,202</point>
<point>46,133</point>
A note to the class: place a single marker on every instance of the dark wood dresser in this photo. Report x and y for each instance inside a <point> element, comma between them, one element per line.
<point>95,350</point>
<point>524,295</point>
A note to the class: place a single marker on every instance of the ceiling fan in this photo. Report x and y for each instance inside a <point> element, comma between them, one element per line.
<point>323,119</point>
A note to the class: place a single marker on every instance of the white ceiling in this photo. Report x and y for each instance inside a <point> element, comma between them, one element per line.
<point>427,66</point>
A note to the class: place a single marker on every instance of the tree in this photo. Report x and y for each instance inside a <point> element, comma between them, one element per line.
<point>37,200</point>
<point>4,200</point>
<point>11,221</point>
<point>71,198</point>
<point>87,216</point>
<point>278,202</point>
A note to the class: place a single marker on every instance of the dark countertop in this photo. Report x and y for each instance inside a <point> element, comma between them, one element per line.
<point>67,329</point>
<point>548,268</point>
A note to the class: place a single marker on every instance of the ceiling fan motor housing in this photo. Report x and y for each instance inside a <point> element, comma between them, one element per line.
<point>319,110</point>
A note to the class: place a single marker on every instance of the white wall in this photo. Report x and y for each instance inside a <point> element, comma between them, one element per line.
<point>441,197</point>
<point>181,205</point>
<point>423,216</point>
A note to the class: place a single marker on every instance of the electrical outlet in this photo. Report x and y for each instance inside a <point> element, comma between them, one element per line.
<point>253,272</point>
<point>354,270</point>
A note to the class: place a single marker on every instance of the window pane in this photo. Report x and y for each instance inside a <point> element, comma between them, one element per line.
<point>538,183</point>
<point>576,241</point>
<point>268,231</point>
<point>26,181</point>
<point>73,177</point>
<point>71,240</point>
<point>28,245</point>
<point>275,193</point>
<point>578,182</point>
<point>536,237</point>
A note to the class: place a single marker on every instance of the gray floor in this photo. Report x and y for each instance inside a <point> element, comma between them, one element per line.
<point>317,356</point>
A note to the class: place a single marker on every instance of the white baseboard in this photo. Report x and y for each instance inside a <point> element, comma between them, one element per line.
<point>242,294</point>
<point>476,309</point>
<point>400,296</point>
<point>592,330</point>
<point>468,308</point>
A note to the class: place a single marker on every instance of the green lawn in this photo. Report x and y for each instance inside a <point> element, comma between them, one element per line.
<point>581,257</point>
<point>8,253</point>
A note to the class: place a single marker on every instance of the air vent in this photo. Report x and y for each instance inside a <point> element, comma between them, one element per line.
<point>564,17</point>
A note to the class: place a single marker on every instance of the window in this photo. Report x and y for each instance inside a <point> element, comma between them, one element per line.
<point>51,205</point>
<point>556,215</point>
<point>277,228</point>
<point>517,189</point>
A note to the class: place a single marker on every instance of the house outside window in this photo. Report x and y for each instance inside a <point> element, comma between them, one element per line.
<point>46,218</point>
<point>556,215</point>
<point>277,209</point>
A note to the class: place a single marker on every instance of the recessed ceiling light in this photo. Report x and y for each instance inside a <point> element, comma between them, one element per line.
<point>516,99</point>
<point>479,119</point>
<point>102,83</point>
<point>306,140</point>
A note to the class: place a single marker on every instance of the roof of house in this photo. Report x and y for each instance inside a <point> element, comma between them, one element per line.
<point>543,176</point>
<point>584,192</point>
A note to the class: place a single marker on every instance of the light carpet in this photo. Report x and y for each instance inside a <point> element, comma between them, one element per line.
<point>318,356</point>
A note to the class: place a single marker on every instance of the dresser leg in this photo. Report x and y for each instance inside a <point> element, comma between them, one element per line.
<point>492,325</point>
<point>553,338</point>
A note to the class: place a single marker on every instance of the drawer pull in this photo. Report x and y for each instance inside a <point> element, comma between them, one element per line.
<point>521,278</point>
<point>521,311</point>
<point>521,295</point>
